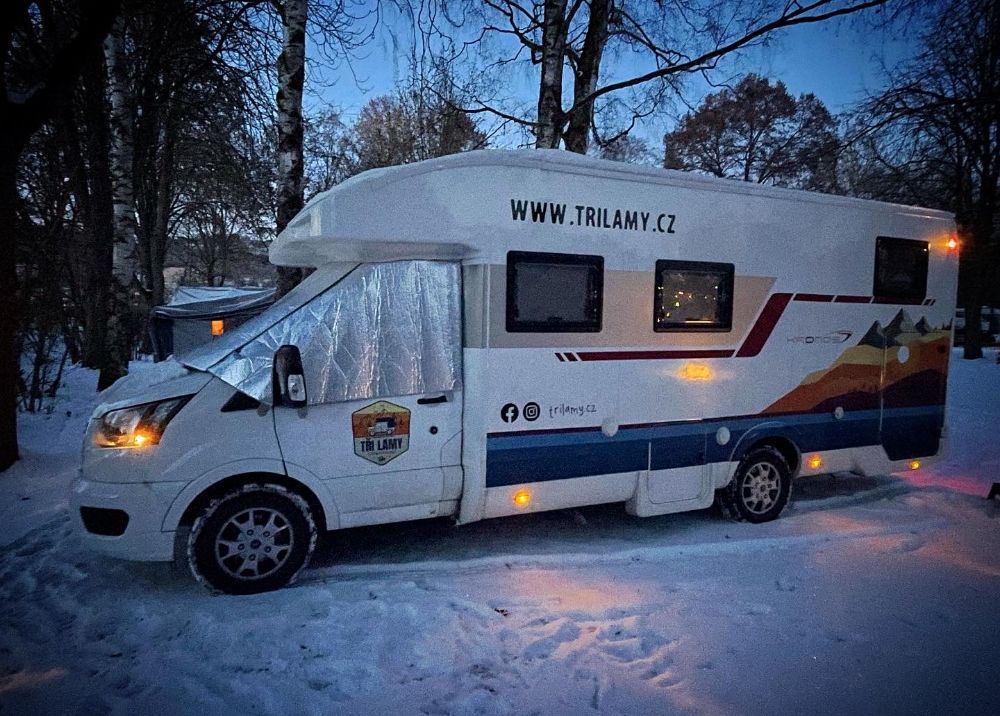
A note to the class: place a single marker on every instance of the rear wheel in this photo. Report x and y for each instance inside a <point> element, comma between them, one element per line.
<point>253,539</point>
<point>760,488</point>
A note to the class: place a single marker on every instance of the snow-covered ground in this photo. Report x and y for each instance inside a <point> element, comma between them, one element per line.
<point>870,595</point>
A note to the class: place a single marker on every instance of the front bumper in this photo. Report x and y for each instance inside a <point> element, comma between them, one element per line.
<point>146,505</point>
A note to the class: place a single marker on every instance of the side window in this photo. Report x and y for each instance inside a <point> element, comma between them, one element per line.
<point>554,293</point>
<point>900,268</point>
<point>693,296</point>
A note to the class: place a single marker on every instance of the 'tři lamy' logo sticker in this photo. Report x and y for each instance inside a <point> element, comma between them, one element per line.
<point>381,431</point>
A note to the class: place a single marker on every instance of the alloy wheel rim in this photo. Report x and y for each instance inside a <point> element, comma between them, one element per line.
<point>761,488</point>
<point>254,543</point>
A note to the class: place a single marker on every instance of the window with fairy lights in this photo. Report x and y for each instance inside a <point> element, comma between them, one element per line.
<point>693,296</point>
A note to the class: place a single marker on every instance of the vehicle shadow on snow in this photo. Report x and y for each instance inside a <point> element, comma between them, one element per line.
<point>580,530</point>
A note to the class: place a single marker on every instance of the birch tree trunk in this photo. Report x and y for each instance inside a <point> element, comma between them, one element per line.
<point>161,216</point>
<point>550,114</point>
<point>291,78</point>
<point>123,267</point>
<point>588,69</point>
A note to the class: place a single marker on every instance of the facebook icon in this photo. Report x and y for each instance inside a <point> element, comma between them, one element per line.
<point>509,413</point>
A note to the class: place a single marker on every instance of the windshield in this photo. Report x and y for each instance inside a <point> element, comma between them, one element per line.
<point>385,329</point>
<point>205,356</point>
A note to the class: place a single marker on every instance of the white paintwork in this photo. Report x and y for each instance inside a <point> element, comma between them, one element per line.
<point>459,208</point>
<point>319,439</point>
<point>559,494</point>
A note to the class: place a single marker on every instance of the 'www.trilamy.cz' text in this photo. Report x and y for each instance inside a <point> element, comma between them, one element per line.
<point>598,217</point>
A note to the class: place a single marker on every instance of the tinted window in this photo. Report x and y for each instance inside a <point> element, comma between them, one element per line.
<point>554,293</point>
<point>901,268</point>
<point>693,296</point>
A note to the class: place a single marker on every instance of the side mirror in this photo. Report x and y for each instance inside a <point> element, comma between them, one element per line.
<point>288,380</point>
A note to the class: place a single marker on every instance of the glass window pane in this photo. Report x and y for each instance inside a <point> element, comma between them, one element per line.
<point>693,296</point>
<point>553,293</point>
<point>690,297</point>
<point>901,268</point>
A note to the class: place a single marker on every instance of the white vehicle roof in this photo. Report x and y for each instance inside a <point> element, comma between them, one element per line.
<point>202,302</point>
<point>459,206</point>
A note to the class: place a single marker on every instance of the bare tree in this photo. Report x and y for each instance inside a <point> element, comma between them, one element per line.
<point>291,79</point>
<point>937,128</point>
<point>674,38</point>
<point>118,337</point>
<point>338,27</point>
<point>756,131</point>
<point>326,152</point>
<point>627,149</point>
<point>408,126</point>
<point>37,73</point>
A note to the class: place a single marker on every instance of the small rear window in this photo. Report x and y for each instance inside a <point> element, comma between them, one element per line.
<point>901,268</point>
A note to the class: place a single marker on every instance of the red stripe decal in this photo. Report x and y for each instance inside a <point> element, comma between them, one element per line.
<point>654,355</point>
<point>766,322</point>
<point>755,341</point>
<point>560,357</point>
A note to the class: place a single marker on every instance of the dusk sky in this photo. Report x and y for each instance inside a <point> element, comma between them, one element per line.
<point>837,60</point>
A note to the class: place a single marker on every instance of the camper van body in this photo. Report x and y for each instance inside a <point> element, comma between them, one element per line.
<point>833,351</point>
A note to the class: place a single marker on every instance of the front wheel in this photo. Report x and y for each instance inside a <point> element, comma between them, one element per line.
<point>760,488</point>
<point>253,539</point>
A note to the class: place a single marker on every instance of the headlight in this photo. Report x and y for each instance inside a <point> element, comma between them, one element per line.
<point>138,426</point>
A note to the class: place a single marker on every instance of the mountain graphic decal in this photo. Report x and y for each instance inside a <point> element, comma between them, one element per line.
<point>870,374</point>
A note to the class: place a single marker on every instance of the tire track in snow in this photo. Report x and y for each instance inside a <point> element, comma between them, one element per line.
<point>583,560</point>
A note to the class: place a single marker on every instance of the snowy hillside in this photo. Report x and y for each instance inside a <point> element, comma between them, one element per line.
<point>870,595</point>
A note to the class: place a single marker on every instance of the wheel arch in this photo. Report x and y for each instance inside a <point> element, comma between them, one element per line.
<point>200,492</point>
<point>776,436</point>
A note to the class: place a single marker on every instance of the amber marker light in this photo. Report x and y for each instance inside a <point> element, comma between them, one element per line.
<point>522,498</point>
<point>952,244</point>
<point>696,371</point>
<point>914,464</point>
<point>218,327</point>
<point>815,462</point>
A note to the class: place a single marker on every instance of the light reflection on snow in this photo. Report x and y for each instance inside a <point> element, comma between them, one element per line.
<point>569,591</point>
<point>29,679</point>
<point>968,484</point>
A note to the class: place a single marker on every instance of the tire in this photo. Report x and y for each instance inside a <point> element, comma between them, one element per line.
<point>253,539</point>
<point>760,489</point>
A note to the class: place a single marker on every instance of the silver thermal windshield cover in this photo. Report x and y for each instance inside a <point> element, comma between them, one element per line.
<point>375,330</point>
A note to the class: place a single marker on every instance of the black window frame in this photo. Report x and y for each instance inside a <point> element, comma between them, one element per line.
<point>704,267</point>
<point>897,242</point>
<point>515,325</point>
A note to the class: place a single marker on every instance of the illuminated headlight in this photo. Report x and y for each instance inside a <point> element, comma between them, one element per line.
<point>138,426</point>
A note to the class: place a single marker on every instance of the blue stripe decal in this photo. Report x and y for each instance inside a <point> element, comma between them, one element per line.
<point>516,458</point>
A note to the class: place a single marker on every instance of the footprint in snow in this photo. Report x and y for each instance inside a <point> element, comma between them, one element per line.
<point>787,584</point>
<point>547,645</point>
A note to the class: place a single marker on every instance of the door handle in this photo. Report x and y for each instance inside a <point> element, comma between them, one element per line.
<point>433,401</point>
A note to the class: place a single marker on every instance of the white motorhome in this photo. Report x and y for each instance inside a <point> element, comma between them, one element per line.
<point>496,333</point>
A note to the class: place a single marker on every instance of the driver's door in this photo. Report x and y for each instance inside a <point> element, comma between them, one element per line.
<point>382,370</point>
<point>378,453</point>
